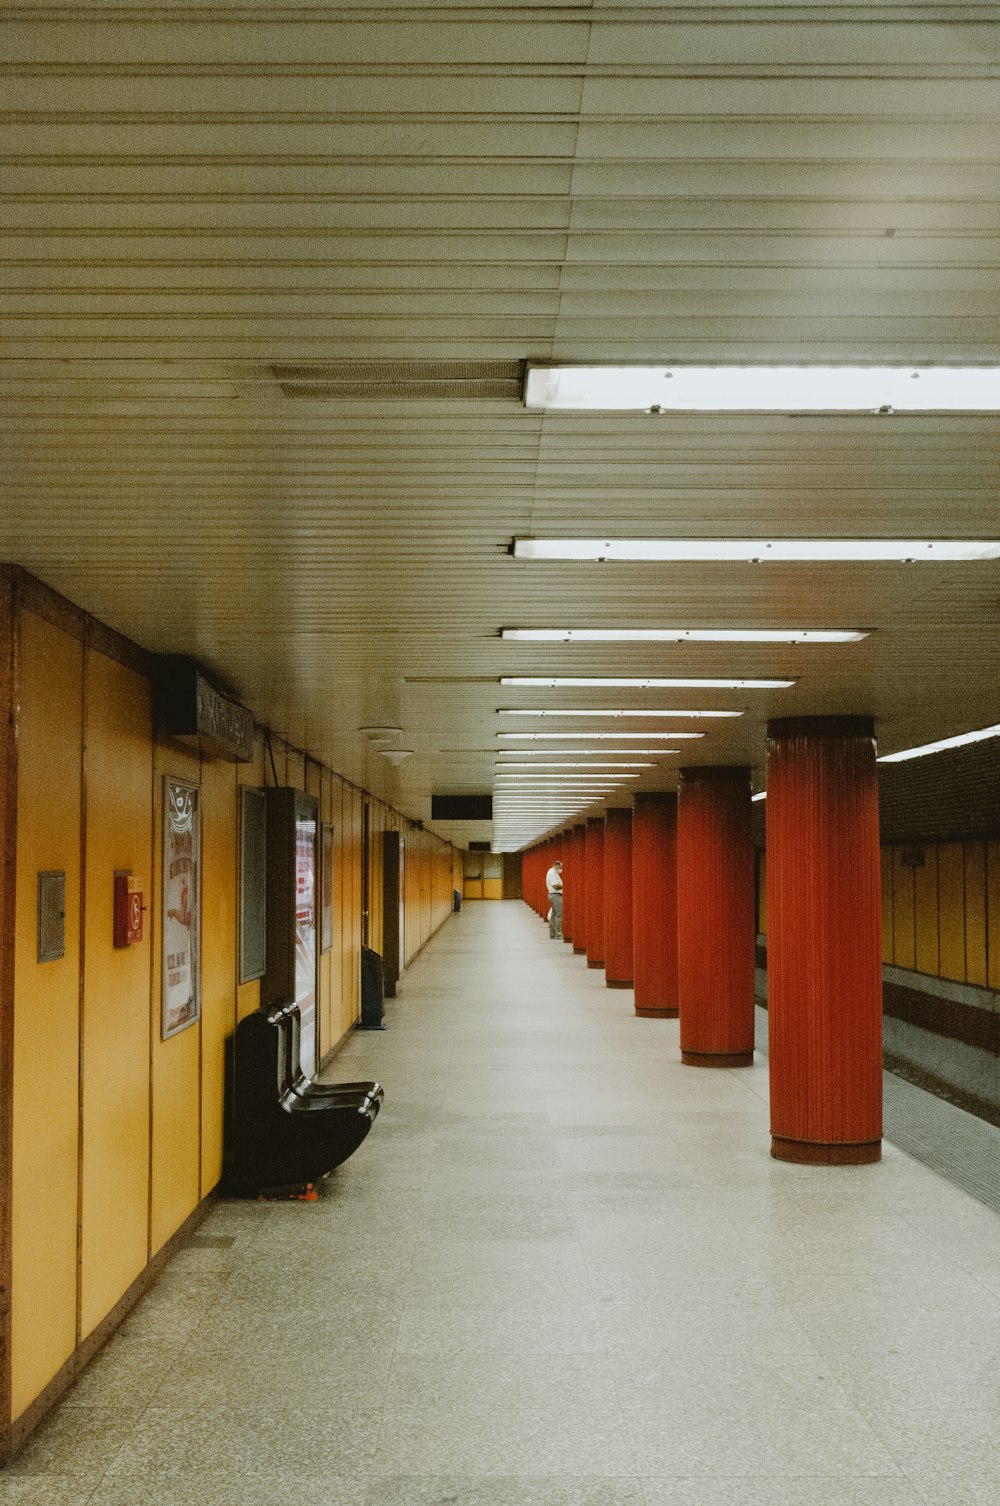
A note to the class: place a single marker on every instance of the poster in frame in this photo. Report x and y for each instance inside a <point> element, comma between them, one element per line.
<point>326,888</point>
<point>181,905</point>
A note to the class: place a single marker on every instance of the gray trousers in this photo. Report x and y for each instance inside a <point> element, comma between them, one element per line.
<point>555,915</point>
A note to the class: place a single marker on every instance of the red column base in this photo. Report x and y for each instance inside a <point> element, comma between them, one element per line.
<point>579,951</point>
<point>596,964</point>
<point>814,1153</point>
<point>717,1058</point>
<point>649,1013</point>
<point>618,982</point>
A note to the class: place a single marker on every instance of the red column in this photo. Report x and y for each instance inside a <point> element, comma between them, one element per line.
<point>716,925</point>
<point>654,904</point>
<point>824,940</point>
<point>595,892</point>
<point>580,907</point>
<point>618,899</point>
<point>569,884</point>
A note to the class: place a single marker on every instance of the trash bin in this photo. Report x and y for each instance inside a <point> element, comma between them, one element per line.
<point>372,990</point>
<point>457,900</point>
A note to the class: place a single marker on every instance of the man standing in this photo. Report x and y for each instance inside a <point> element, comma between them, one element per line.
<point>554,885</point>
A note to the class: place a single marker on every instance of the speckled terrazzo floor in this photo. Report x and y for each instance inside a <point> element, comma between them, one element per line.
<point>562,1271</point>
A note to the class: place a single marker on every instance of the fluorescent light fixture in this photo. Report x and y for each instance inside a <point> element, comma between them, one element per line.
<point>575,766</point>
<point>579,752</point>
<point>758,551</point>
<point>551,785</point>
<point>943,743</point>
<point>765,389</point>
<point>761,795</point>
<point>529,711</point>
<point>600,736</point>
<point>684,635</point>
<point>554,682</point>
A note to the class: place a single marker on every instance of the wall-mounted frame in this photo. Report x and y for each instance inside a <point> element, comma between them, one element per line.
<point>51,915</point>
<point>253,882</point>
<point>181,905</point>
<point>326,888</point>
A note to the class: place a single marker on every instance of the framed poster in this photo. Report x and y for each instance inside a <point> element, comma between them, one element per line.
<point>181,907</point>
<point>326,889</point>
<point>305,935</point>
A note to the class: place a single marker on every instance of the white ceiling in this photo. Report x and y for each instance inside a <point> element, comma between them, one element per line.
<point>193,197</point>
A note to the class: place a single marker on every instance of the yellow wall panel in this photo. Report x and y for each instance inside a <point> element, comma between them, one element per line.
<point>993,912</point>
<point>176,1077</point>
<point>887,932</point>
<point>492,889</point>
<point>46,1013</point>
<point>903,933</point>
<point>975,913</point>
<point>219,957</point>
<point>116,1003</point>
<point>951,888</point>
<point>473,888</point>
<point>925,905</point>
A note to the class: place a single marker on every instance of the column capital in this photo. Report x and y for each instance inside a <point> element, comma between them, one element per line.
<point>724,773</point>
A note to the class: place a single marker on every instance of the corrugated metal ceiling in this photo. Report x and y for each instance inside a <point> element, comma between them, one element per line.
<point>199,200</point>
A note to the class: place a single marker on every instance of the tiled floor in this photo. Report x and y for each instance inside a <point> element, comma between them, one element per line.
<point>562,1271</point>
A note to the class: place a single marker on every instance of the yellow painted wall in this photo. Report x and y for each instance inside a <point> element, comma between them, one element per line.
<point>927,954</point>
<point>975,913</point>
<point>219,951</point>
<point>118,770</point>
<point>127,1135</point>
<point>951,910</point>
<point>46,1013</point>
<point>943,904</point>
<point>903,932</point>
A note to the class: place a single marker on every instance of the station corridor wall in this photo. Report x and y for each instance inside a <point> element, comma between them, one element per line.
<point>113,1137</point>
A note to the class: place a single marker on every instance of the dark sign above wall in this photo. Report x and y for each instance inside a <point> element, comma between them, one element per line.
<point>189,705</point>
<point>461,807</point>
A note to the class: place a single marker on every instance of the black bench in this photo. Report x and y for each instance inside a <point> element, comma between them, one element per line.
<point>287,1130</point>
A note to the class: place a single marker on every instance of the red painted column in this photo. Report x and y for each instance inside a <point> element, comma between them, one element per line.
<point>654,904</point>
<point>580,908</point>
<point>716,924</point>
<point>618,898</point>
<point>569,879</point>
<point>595,892</point>
<point>824,940</point>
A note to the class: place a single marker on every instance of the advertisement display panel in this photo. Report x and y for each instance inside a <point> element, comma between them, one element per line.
<point>181,905</point>
<point>305,936</point>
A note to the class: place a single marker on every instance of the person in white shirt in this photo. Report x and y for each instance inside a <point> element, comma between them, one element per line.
<point>554,885</point>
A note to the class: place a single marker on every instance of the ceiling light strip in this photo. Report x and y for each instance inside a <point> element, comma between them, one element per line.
<point>600,736</point>
<point>647,712</point>
<point>624,682</point>
<point>759,551</point>
<point>983,734</point>
<point>764,389</point>
<point>684,635</point>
